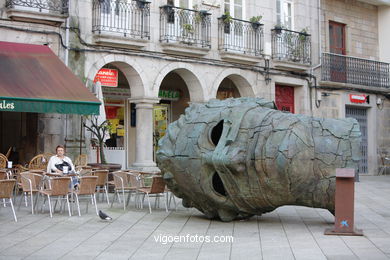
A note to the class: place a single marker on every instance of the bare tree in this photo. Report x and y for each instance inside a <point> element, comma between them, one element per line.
<point>98,130</point>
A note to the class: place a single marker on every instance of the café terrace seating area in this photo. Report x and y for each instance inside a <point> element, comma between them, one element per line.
<point>30,186</point>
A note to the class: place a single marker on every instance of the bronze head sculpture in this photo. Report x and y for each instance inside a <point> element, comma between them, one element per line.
<point>240,157</point>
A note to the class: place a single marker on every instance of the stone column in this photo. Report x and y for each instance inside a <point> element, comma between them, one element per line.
<point>144,134</point>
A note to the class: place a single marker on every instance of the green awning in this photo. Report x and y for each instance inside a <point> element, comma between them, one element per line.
<point>34,79</point>
<point>48,106</point>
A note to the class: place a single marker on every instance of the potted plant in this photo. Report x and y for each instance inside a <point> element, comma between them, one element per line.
<point>200,15</point>
<point>278,29</point>
<point>170,13</point>
<point>255,20</point>
<point>141,4</point>
<point>303,34</point>
<point>188,29</point>
<point>99,131</point>
<point>227,19</point>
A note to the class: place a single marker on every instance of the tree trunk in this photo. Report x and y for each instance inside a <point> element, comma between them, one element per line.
<point>101,150</point>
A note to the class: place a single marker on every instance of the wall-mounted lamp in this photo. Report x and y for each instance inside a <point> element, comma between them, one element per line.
<point>318,98</point>
<point>379,103</point>
<point>267,78</point>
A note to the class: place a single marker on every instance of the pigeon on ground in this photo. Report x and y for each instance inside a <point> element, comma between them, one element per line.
<point>104,216</point>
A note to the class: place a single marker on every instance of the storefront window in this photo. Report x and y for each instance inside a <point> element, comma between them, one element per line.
<point>116,91</point>
<point>115,114</point>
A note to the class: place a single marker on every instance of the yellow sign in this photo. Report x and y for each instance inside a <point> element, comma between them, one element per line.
<point>120,132</point>
<point>160,113</point>
<point>113,125</point>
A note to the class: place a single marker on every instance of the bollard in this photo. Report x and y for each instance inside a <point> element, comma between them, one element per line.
<point>344,204</point>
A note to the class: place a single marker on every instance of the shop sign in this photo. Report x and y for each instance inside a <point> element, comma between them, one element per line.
<point>169,94</point>
<point>107,77</point>
<point>4,105</point>
<point>356,98</point>
<point>116,93</point>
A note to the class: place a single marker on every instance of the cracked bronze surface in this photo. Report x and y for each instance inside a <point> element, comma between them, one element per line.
<point>256,159</point>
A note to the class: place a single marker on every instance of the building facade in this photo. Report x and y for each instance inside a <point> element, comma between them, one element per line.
<point>150,60</point>
<point>353,72</point>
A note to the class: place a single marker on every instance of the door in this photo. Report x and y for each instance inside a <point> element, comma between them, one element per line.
<point>181,26</point>
<point>284,98</point>
<point>116,16</point>
<point>160,118</point>
<point>360,114</point>
<point>284,14</point>
<point>234,32</point>
<point>338,72</point>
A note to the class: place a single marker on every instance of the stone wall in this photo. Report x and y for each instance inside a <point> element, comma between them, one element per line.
<point>361,21</point>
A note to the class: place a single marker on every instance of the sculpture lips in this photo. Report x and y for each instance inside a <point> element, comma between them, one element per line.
<point>239,157</point>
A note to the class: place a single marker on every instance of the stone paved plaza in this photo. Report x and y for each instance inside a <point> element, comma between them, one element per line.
<point>287,233</point>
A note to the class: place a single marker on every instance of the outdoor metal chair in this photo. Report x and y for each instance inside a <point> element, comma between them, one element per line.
<point>157,190</point>
<point>39,162</point>
<point>3,175</point>
<point>125,182</point>
<point>6,192</point>
<point>81,160</point>
<point>87,186</point>
<point>3,161</point>
<point>30,183</point>
<point>385,162</point>
<point>102,182</point>
<point>58,187</point>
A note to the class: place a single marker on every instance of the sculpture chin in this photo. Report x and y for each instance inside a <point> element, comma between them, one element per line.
<point>240,157</point>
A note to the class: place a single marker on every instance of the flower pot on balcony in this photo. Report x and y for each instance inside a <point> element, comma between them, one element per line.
<point>278,29</point>
<point>141,4</point>
<point>203,13</point>
<point>168,9</point>
<point>255,25</point>
<point>226,19</point>
<point>170,13</point>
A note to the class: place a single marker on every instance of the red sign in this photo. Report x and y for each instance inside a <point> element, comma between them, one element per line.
<point>355,98</point>
<point>107,77</point>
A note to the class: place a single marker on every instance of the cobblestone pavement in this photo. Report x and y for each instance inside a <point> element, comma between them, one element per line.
<point>288,233</point>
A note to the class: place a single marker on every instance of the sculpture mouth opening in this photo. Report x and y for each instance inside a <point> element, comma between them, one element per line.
<point>216,133</point>
<point>218,185</point>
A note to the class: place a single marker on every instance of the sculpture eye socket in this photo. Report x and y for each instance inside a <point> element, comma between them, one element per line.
<point>216,133</point>
<point>218,185</point>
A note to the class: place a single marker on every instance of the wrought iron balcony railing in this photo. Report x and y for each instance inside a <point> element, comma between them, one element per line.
<point>185,26</point>
<point>42,6</point>
<point>235,35</point>
<point>291,46</point>
<point>129,19</point>
<point>346,69</point>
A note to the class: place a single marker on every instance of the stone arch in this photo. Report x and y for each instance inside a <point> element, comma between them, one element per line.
<point>244,87</point>
<point>131,70</point>
<point>195,85</point>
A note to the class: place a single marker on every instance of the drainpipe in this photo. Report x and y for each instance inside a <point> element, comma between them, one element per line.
<point>319,38</point>
<point>67,35</point>
<point>317,102</point>
<point>66,61</point>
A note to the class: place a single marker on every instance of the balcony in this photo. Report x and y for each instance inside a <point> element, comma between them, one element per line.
<point>185,31</point>
<point>51,12</point>
<point>291,47</point>
<point>239,40</point>
<point>357,71</point>
<point>120,22</point>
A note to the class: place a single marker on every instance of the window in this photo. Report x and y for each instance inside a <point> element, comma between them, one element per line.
<point>184,4</point>
<point>337,38</point>
<point>235,8</point>
<point>284,13</point>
